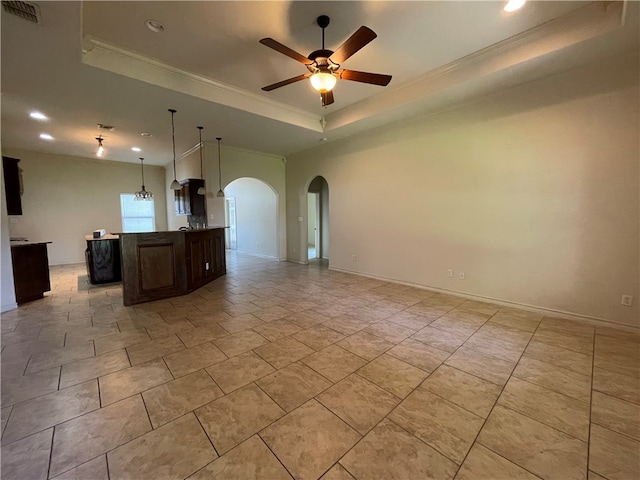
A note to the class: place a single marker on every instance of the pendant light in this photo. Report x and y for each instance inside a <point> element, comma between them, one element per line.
<point>143,194</point>
<point>100,147</point>
<point>175,185</point>
<point>220,192</point>
<point>202,190</point>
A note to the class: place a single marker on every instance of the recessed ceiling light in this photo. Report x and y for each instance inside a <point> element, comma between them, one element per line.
<point>46,136</point>
<point>145,134</point>
<point>38,115</point>
<point>513,5</point>
<point>154,25</point>
<point>136,149</point>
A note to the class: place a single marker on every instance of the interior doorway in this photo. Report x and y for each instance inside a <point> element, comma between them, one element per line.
<point>230,214</point>
<point>318,219</point>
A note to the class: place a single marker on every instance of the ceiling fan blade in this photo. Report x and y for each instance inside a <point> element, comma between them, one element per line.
<point>365,77</point>
<point>273,86</point>
<point>278,47</point>
<point>327,98</point>
<point>354,43</point>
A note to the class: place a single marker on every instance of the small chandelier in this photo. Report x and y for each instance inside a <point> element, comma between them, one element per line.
<point>175,185</point>
<point>220,192</point>
<point>202,190</point>
<point>100,147</point>
<point>143,194</point>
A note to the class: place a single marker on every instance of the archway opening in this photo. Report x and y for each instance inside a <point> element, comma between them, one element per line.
<point>318,219</point>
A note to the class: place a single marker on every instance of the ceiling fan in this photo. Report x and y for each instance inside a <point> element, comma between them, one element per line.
<point>325,65</point>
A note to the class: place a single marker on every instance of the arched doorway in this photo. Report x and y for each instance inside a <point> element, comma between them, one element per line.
<point>251,213</point>
<point>318,219</point>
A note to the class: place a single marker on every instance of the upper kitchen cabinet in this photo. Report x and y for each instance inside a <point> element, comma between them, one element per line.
<point>12,185</point>
<point>187,200</point>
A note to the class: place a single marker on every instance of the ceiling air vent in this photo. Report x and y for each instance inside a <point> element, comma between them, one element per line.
<point>25,10</point>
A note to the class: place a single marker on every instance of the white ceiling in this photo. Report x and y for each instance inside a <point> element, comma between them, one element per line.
<point>96,62</point>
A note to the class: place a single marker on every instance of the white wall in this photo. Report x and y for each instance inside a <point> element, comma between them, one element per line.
<point>66,198</point>
<point>532,192</point>
<point>256,216</point>
<point>7,289</point>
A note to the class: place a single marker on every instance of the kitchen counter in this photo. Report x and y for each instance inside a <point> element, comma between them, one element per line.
<point>166,264</point>
<point>30,270</point>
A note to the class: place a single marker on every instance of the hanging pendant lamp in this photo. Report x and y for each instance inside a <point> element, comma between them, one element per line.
<point>175,185</point>
<point>143,194</point>
<point>202,190</point>
<point>220,192</point>
<point>100,150</point>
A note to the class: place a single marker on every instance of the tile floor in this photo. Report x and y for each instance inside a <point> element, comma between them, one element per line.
<point>280,370</point>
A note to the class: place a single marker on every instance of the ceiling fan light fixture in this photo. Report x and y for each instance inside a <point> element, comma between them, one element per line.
<point>513,5</point>
<point>323,81</point>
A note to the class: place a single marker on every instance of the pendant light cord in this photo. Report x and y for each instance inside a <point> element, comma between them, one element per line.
<point>142,168</point>
<point>201,171</point>
<point>173,138</point>
<point>219,167</point>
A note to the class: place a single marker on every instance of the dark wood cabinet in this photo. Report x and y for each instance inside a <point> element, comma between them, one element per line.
<point>12,185</point>
<point>205,256</point>
<point>187,200</point>
<point>30,271</point>
<point>103,259</point>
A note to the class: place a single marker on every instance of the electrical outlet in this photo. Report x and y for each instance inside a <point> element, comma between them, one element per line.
<point>353,258</point>
<point>461,275</point>
<point>300,219</point>
<point>627,300</point>
<point>449,273</point>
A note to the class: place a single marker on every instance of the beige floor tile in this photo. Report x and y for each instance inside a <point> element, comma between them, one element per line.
<point>389,452</point>
<point>564,340</point>
<point>169,327</point>
<point>118,385</point>
<point>538,448</point>
<point>614,414</point>
<point>446,427</point>
<point>318,337</point>
<point>459,322</point>
<point>479,307</point>
<point>200,335</point>
<point>493,369</point>
<point>617,385</point>
<point>4,413</point>
<point>273,312</point>
<point>282,352</point>
<point>251,459</point>
<point>19,389</point>
<point>51,409</point>
<point>558,379</point>
<point>143,352</point>
<point>524,324</point>
<point>239,371</point>
<point>483,464</point>
<point>27,458</point>
<point>418,354</point>
<point>346,324</point>
<point>506,349</point>
<point>390,331</point>
<point>337,472</point>
<point>240,322</point>
<point>293,385</point>
<point>393,375</point>
<point>564,413</point>
<point>240,342</point>
<point>561,357</point>
<point>617,363</point>
<point>334,363</point>
<point>195,358</point>
<point>13,362</point>
<point>365,345</point>
<point>307,319</point>
<point>81,439</point>
<point>276,329</point>
<point>173,451</point>
<point>410,320</point>
<point>309,440</point>
<point>612,455</point>
<point>233,418</point>
<point>120,340</point>
<point>95,469</point>
<point>440,339</point>
<point>465,390</point>
<point>358,402</point>
<point>619,345</point>
<point>77,335</point>
<point>59,356</point>
<point>93,367</point>
<point>594,476</point>
<point>506,333</point>
<point>175,398</point>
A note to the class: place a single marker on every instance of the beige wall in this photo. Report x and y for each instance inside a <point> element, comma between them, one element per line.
<point>533,193</point>
<point>66,198</point>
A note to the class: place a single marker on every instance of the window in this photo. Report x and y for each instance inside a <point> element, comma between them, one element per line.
<point>137,216</point>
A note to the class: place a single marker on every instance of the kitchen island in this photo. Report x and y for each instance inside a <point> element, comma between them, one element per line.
<point>30,270</point>
<point>167,264</point>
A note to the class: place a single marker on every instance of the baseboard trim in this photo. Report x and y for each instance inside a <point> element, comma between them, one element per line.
<point>498,301</point>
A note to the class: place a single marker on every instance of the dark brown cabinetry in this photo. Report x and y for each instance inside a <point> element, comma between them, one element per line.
<point>12,185</point>
<point>205,256</point>
<point>187,200</point>
<point>103,259</point>
<point>30,271</point>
